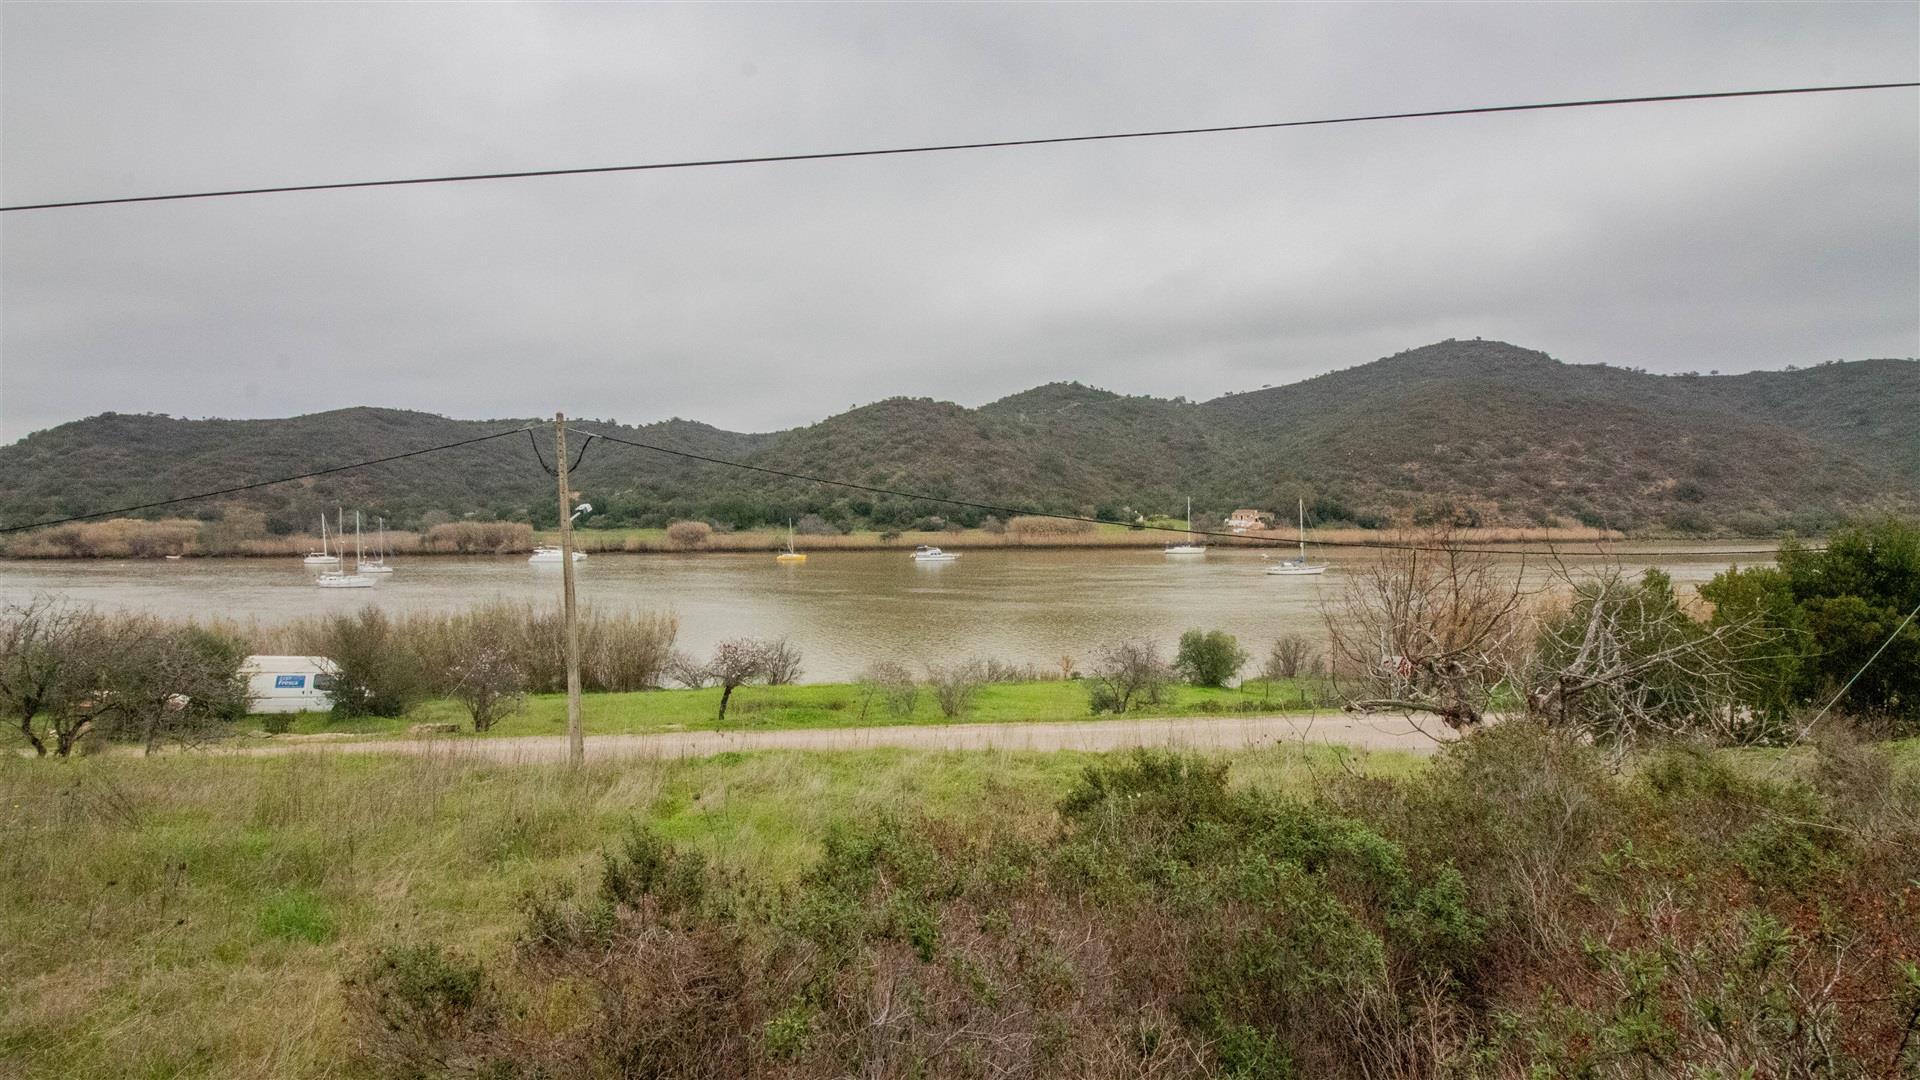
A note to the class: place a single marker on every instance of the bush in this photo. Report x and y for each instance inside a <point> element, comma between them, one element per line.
<point>1034,526</point>
<point>954,686</point>
<point>1127,673</point>
<point>1291,656</point>
<point>689,534</point>
<point>479,537</point>
<point>376,674</point>
<point>892,685</point>
<point>488,684</point>
<point>1209,658</point>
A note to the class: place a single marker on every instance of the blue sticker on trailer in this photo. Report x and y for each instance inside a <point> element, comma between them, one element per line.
<point>289,682</point>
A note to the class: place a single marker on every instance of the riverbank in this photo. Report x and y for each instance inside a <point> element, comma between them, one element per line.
<point>125,538</point>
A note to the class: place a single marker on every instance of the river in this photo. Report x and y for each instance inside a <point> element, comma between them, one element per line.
<point>843,610</point>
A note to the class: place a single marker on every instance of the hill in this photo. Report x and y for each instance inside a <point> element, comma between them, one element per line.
<point>1478,432</point>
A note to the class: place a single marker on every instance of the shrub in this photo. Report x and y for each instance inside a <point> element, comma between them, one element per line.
<point>488,684</point>
<point>1291,656</point>
<point>892,685</point>
<point>689,534</point>
<point>1127,673</point>
<point>1033,526</point>
<point>376,674</point>
<point>1209,658</point>
<point>954,686</point>
<point>479,537</point>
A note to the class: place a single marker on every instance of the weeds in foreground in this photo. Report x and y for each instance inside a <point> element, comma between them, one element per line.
<point>1516,910</point>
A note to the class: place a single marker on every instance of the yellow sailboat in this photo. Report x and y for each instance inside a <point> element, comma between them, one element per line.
<point>790,555</point>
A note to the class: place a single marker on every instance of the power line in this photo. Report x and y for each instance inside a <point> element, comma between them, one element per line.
<point>259,484</point>
<point>769,159</point>
<point>1017,512</point>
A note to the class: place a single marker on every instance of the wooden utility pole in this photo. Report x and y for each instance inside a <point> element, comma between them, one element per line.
<point>576,740</point>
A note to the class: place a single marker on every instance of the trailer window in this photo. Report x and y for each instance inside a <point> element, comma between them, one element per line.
<point>325,682</point>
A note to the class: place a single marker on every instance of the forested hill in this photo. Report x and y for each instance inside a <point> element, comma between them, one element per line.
<point>1475,431</point>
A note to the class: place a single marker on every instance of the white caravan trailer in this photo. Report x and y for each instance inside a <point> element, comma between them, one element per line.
<point>283,684</point>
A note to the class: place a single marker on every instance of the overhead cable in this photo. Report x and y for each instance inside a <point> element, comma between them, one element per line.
<point>768,159</point>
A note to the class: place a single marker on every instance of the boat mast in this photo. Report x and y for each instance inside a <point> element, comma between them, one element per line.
<point>1303,531</point>
<point>356,541</point>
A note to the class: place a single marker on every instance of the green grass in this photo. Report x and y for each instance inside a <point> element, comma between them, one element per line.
<point>821,705</point>
<point>192,916</point>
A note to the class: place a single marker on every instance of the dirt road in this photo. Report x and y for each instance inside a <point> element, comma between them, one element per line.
<point>1208,733</point>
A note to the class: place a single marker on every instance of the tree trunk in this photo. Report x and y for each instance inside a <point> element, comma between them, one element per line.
<point>725,693</point>
<point>26,728</point>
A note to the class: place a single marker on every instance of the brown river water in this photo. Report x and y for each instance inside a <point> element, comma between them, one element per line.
<point>843,610</point>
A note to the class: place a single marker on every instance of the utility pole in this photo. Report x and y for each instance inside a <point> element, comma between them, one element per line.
<point>576,741</point>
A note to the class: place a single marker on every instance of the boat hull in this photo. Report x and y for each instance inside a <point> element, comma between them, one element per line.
<point>1296,571</point>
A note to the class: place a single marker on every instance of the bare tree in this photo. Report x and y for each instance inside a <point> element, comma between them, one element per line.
<point>1128,672</point>
<point>780,663</point>
<point>1289,658</point>
<point>1433,627</point>
<point>688,672</point>
<point>954,686</point>
<point>1623,662</point>
<point>488,684</point>
<point>38,661</point>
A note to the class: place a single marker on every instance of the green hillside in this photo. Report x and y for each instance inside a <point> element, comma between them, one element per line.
<point>1478,432</point>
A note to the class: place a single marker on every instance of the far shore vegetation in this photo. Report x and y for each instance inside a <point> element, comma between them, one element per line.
<point>243,534</point>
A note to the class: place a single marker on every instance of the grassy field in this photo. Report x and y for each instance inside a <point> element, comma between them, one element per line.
<point>816,705</point>
<point>188,917</point>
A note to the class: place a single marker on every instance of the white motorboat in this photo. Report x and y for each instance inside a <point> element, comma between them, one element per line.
<point>322,557</point>
<point>1188,548</point>
<point>378,564</point>
<point>546,553</point>
<point>340,579</point>
<point>926,553</point>
<point>1299,567</point>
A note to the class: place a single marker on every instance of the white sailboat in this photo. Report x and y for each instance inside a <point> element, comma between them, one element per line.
<point>1188,548</point>
<point>377,564</point>
<point>340,579</point>
<point>321,557</point>
<point>1299,567</point>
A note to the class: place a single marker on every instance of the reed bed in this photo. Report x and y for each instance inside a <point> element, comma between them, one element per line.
<point>623,650</point>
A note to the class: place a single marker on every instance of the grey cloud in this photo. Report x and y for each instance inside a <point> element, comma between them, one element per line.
<point>1736,235</point>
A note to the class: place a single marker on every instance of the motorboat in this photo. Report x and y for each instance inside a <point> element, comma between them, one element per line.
<point>1299,567</point>
<point>1188,548</point>
<point>340,579</point>
<point>322,557</point>
<point>927,553</point>
<point>546,553</point>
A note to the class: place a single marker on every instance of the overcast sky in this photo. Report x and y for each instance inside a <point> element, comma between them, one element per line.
<point>1730,235</point>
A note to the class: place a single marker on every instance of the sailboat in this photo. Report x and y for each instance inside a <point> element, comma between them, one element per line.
<point>340,579</point>
<point>1299,567</point>
<point>790,555</point>
<point>1188,548</point>
<point>377,564</point>
<point>321,557</point>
